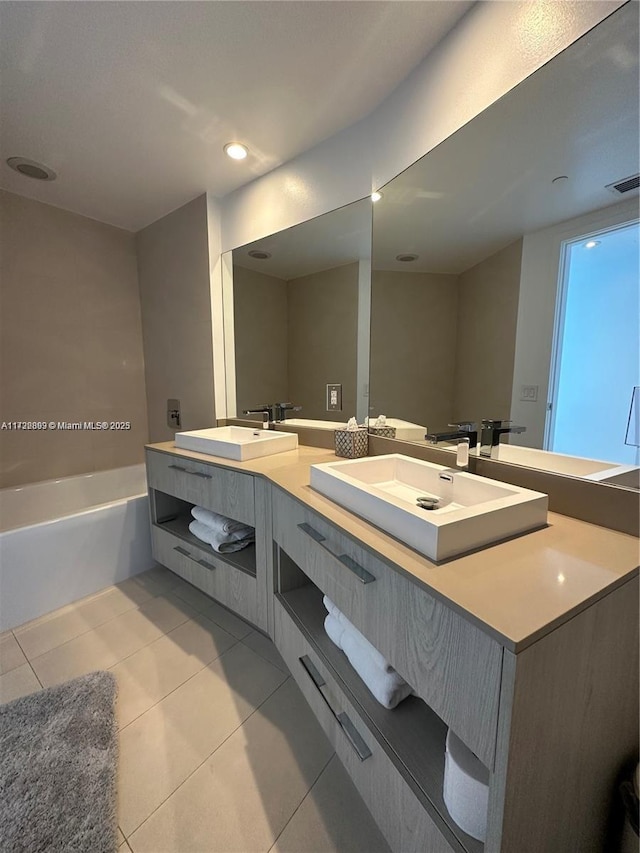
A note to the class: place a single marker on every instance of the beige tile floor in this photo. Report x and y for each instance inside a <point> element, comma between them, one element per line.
<point>219,752</point>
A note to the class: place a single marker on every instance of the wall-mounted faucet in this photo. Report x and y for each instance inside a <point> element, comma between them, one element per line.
<point>491,431</point>
<point>463,430</point>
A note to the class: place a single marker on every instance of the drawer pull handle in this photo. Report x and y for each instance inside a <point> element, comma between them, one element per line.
<point>361,573</point>
<point>313,673</point>
<point>193,473</point>
<point>181,550</point>
<point>352,734</point>
<point>355,738</point>
<point>186,553</point>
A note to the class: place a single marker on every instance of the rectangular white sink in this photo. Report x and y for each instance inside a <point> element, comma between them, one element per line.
<point>234,442</point>
<point>472,512</point>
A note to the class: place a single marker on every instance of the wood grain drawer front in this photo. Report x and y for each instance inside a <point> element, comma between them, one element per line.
<point>219,489</point>
<point>235,589</point>
<point>406,825</point>
<point>451,664</point>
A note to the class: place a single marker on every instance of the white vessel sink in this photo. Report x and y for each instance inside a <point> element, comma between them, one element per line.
<point>233,442</point>
<point>472,511</point>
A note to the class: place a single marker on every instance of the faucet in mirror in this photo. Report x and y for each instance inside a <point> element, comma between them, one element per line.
<point>505,270</point>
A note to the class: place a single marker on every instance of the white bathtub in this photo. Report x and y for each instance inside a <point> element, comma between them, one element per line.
<point>63,539</point>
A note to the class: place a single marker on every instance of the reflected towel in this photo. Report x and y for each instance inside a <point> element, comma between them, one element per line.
<point>224,543</point>
<point>217,522</point>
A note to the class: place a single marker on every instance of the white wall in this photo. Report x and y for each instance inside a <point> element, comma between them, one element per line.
<point>492,49</point>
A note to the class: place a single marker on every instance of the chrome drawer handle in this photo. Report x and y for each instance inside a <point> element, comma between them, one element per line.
<point>186,553</point>
<point>193,473</point>
<point>312,672</point>
<point>361,573</point>
<point>355,738</point>
<point>352,734</point>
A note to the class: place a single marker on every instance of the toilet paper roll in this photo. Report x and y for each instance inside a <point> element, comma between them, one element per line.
<point>466,788</point>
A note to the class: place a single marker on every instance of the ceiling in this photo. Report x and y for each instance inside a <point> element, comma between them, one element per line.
<point>131,102</point>
<point>491,182</point>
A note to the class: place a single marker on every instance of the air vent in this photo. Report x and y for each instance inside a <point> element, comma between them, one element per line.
<point>624,185</point>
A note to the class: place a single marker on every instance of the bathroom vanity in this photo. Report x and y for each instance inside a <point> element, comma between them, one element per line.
<point>527,650</point>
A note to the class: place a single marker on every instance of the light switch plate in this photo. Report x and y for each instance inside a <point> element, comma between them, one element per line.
<point>529,393</point>
<point>334,397</point>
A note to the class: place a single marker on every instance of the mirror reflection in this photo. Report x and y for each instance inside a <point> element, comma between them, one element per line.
<point>505,271</point>
<point>301,319</point>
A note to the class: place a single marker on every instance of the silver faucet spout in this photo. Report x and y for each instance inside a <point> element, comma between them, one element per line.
<point>490,434</point>
<point>465,430</point>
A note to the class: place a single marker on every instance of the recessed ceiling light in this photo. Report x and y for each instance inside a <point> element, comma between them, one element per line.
<point>591,244</point>
<point>376,196</point>
<point>259,254</point>
<point>236,151</point>
<point>406,259</point>
<point>31,169</point>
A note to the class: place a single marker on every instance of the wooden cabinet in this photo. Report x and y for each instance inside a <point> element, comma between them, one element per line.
<point>237,580</point>
<point>448,661</point>
<point>554,723</point>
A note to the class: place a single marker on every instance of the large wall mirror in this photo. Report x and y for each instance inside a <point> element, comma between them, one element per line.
<point>300,319</point>
<point>505,269</point>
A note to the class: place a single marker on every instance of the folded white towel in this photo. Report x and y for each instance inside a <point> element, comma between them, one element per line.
<point>330,606</point>
<point>388,688</point>
<point>219,523</point>
<point>224,543</point>
<point>334,629</point>
<point>378,658</point>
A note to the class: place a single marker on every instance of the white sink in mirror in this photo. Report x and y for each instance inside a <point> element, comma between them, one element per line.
<point>234,442</point>
<point>405,430</point>
<point>471,512</point>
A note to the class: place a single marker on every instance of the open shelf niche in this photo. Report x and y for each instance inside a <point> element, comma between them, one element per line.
<point>174,515</point>
<point>412,734</point>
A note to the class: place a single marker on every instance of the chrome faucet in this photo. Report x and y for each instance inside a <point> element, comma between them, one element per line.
<point>283,408</point>
<point>491,431</point>
<point>268,413</point>
<point>464,429</point>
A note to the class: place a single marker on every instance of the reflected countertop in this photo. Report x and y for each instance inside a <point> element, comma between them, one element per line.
<point>517,590</point>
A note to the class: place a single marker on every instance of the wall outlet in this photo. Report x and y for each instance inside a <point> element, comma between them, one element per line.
<point>529,393</point>
<point>334,398</point>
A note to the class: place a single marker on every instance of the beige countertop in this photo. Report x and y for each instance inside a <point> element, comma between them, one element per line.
<point>518,590</point>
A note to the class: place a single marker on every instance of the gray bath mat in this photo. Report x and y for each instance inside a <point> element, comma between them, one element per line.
<point>58,761</point>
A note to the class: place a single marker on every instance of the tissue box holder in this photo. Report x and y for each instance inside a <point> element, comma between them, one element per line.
<point>352,444</point>
<point>383,432</point>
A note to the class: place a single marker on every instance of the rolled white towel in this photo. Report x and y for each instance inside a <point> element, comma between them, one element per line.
<point>379,658</point>
<point>224,543</point>
<point>388,688</point>
<point>334,629</point>
<point>329,606</point>
<point>217,522</point>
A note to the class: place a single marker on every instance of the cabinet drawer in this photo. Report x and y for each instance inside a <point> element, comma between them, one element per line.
<point>450,663</point>
<point>406,825</point>
<point>219,489</point>
<point>235,589</point>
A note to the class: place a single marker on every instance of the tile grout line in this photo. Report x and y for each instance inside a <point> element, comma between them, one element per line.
<point>93,627</point>
<point>29,662</point>
<point>299,806</point>
<point>264,658</point>
<point>237,728</point>
<point>166,696</point>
